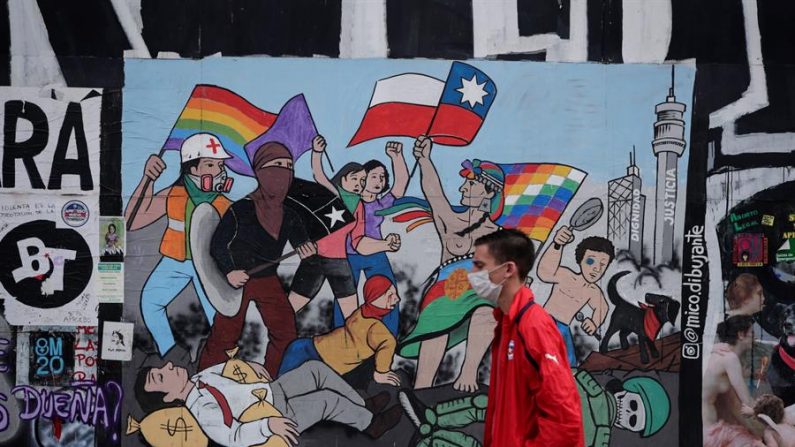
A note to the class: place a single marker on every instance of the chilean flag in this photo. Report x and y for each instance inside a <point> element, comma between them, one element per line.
<point>413,104</point>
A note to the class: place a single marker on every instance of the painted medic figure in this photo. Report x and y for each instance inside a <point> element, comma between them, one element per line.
<point>202,179</point>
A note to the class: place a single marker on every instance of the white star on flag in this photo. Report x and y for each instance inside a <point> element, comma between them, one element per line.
<point>471,91</point>
<point>335,216</point>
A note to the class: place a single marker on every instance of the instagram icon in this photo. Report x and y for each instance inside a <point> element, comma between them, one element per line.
<point>691,350</point>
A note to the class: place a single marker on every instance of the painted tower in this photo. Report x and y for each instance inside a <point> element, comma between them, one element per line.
<point>626,207</point>
<point>668,145</point>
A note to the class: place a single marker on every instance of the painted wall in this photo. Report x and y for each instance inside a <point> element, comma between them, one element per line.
<point>672,118</point>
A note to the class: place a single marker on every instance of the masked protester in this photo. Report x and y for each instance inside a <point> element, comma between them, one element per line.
<point>254,232</point>
<point>202,179</point>
<point>533,399</point>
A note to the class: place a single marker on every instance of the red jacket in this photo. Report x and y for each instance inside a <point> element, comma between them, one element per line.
<point>533,400</point>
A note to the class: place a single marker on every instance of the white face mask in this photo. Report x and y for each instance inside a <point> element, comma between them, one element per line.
<point>482,285</point>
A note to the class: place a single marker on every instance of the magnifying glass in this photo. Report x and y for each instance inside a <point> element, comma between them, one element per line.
<point>586,214</point>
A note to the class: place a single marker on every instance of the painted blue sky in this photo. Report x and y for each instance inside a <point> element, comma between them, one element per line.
<point>584,115</point>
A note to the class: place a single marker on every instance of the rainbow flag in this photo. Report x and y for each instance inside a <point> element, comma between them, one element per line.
<point>226,115</point>
<point>535,196</point>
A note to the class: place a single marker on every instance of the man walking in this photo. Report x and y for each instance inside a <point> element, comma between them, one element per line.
<point>533,400</point>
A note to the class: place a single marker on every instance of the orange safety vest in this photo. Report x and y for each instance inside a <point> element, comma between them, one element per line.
<point>173,244</point>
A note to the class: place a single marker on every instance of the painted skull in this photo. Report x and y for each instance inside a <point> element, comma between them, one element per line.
<point>631,412</point>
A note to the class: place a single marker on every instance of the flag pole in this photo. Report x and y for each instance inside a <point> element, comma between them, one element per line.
<point>329,161</point>
<point>266,264</point>
<point>140,198</point>
<point>413,170</point>
<point>417,160</point>
<point>259,268</point>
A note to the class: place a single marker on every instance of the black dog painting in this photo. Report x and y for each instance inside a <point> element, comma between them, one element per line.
<point>781,373</point>
<point>645,321</point>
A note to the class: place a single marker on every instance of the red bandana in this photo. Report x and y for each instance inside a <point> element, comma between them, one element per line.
<point>651,324</point>
<point>375,287</point>
<point>788,359</point>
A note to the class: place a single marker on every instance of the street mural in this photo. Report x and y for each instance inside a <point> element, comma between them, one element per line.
<point>299,252</point>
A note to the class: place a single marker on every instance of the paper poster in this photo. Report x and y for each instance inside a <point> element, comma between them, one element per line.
<point>49,213</point>
<point>111,239</point>
<point>110,269</point>
<point>110,282</point>
<point>49,253</point>
<point>56,355</point>
<point>786,252</point>
<point>55,136</point>
<point>750,250</point>
<point>117,341</point>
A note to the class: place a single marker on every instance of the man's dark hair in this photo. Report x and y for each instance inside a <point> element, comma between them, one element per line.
<point>729,330</point>
<point>344,171</point>
<point>770,405</point>
<point>184,169</point>
<point>594,243</point>
<point>373,164</point>
<point>510,245</point>
<point>150,401</point>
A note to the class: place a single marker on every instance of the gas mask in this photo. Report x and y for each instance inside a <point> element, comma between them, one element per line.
<point>631,412</point>
<point>219,183</point>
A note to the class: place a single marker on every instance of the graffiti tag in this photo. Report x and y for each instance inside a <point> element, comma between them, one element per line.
<point>85,402</point>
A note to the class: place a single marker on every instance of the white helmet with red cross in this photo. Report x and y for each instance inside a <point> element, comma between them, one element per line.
<point>202,145</point>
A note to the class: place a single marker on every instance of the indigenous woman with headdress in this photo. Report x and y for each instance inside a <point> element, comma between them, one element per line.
<point>450,311</point>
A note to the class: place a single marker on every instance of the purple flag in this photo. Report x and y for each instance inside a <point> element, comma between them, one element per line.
<point>294,128</point>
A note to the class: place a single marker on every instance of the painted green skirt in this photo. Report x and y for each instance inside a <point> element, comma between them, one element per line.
<point>447,303</point>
